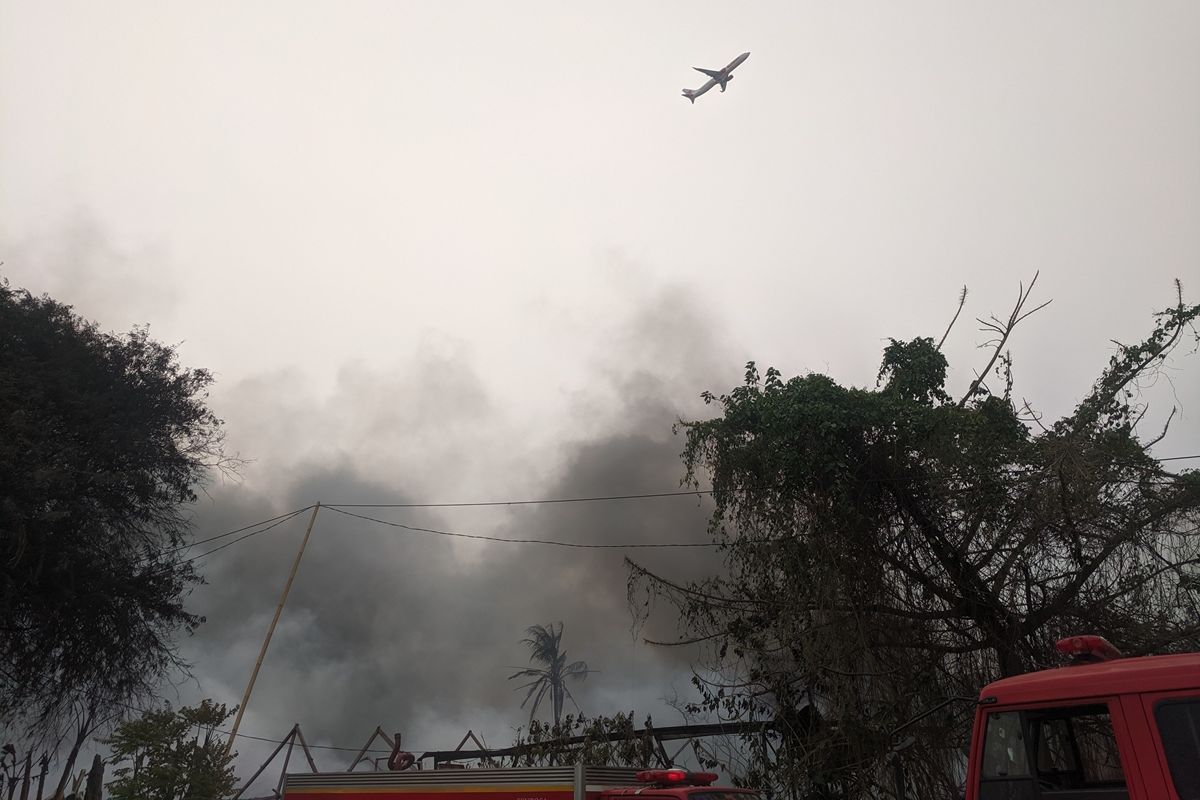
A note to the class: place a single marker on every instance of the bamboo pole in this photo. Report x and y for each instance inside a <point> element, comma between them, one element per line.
<point>287,758</point>
<point>304,746</point>
<point>287,587</point>
<point>286,740</point>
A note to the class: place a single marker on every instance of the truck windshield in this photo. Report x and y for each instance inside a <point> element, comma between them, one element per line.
<point>1179,729</point>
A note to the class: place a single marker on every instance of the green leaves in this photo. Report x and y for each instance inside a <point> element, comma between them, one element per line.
<point>172,755</point>
<point>914,371</point>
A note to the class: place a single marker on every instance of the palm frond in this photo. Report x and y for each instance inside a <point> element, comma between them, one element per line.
<point>533,687</point>
<point>533,709</point>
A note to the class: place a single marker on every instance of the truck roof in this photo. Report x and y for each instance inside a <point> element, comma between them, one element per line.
<point>1120,676</point>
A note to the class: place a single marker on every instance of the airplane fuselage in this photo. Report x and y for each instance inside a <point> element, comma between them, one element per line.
<point>716,77</point>
<point>734,64</point>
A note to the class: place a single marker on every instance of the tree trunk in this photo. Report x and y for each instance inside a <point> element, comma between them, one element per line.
<point>42,775</point>
<point>85,725</point>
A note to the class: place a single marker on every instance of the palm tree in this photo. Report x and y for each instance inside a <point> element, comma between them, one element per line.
<point>544,642</point>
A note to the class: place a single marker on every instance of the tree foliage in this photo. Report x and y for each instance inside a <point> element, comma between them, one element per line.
<point>889,548</point>
<point>102,441</point>
<point>173,755</point>
<point>545,645</point>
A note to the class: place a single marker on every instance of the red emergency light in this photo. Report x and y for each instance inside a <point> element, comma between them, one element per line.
<point>676,777</point>
<point>1087,649</point>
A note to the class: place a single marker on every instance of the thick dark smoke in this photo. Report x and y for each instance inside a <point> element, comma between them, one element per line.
<point>416,632</point>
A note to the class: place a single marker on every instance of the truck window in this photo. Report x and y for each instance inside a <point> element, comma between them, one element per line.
<point>1004,773</point>
<point>1055,755</point>
<point>1179,729</point>
<point>1004,754</point>
<point>1076,750</point>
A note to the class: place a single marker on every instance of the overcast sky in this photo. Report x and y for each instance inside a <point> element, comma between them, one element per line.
<point>470,251</point>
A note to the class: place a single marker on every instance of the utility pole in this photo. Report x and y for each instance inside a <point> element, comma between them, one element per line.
<point>287,587</point>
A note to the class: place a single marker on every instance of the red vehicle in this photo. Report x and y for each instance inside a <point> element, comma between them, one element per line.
<point>535,783</point>
<point>1104,728</point>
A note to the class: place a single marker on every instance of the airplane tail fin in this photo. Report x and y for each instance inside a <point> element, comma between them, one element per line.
<point>690,95</point>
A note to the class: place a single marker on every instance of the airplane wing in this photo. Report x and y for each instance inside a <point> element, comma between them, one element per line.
<point>715,74</point>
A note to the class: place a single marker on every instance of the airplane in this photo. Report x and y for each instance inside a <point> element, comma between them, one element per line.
<point>716,77</point>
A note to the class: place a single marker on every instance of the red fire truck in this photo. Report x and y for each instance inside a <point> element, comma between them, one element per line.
<point>1103,728</point>
<point>577,782</point>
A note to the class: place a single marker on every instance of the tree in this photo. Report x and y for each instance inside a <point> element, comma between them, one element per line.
<point>172,755</point>
<point>103,439</point>
<point>890,549</point>
<point>544,643</point>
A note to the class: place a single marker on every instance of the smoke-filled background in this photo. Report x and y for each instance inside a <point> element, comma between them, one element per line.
<point>462,252</point>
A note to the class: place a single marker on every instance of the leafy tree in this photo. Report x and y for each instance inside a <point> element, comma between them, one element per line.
<point>890,548</point>
<point>102,441</point>
<point>173,755</point>
<point>545,648</point>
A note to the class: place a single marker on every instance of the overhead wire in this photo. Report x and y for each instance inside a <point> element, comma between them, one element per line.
<point>310,747</point>
<point>287,515</point>
<point>274,522</point>
<point>549,501</point>
<point>248,535</point>
<point>550,542</point>
<point>269,740</point>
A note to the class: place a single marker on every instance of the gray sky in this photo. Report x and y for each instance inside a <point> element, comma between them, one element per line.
<point>464,251</point>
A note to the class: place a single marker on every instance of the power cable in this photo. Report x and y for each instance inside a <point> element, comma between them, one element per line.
<point>247,536</point>
<point>550,501</point>
<point>310,747</point>
<point>260,738</point>
<point>237,530</point>
<point>550,542</point>
<point>275,521</point>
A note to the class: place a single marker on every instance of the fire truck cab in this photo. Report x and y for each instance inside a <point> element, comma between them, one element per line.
<point>1103,728</point>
